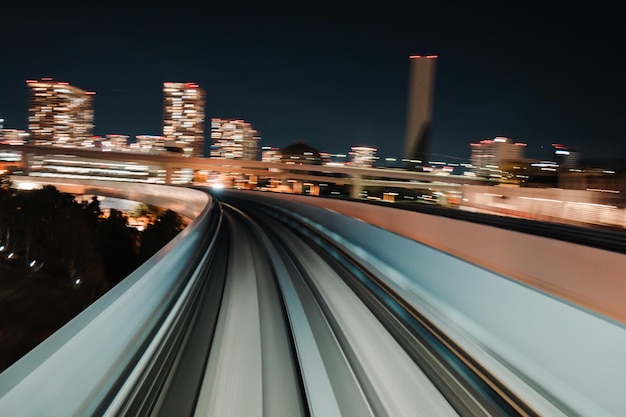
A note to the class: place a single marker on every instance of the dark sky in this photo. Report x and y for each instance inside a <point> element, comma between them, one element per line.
<point>336,74</point>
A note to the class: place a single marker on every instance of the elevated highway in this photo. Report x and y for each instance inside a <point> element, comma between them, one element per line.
<point>169,162</point>
<point>285,305</point>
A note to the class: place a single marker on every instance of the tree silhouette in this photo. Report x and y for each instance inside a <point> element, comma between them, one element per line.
<point>58,255</point>
<point>159,233</point>
<point>7,208</point>
<point>149,211</point>
<point>92,211</point>
<point>118,244</point>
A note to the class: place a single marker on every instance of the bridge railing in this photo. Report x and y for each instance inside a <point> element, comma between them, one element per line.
<point>89,365</point>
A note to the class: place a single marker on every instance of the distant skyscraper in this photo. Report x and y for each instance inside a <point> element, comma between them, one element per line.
<point>59,114</point>
<point>183,117</point>
<point>419,109</point>
<point>234,139</point>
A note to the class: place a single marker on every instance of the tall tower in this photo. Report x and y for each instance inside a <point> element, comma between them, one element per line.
<point>183,117</point>
<point>59,114</point>
<point>419,109</point>
<point>234,139</point>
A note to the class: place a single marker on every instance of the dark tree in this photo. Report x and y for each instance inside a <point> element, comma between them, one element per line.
<point>50,266</point>
<point>118,245</point>
<point>159,233</point>
<point>52,235</point>
<point>57,256</point>
<point>7,209</point>
<point>92,211</point>
<point>149,211</point>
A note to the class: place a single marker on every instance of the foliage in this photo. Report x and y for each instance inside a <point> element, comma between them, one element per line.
<point>147,210</point>
<point>159,233</point>
<point>118,246</point>
<point>47,231</point>
<point>58,255</point>
<point>5,183</point>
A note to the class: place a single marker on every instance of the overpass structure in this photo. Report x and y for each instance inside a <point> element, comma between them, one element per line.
<point>591,207</point>
<point>270,304</point>
<point>165,166</point>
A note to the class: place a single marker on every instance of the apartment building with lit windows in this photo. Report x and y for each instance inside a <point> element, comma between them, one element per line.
<point>115,142</point>
<point>150,143</point>
<point>234,139</point>
<point>59,114</point>
<point>363,156</point>
<point>270,154</point>
<point>183,117</point>
<point>490,157</point>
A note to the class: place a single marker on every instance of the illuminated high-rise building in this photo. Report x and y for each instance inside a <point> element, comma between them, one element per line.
<point>234,139</point>
<point>58,113</point>
<point>490,156</point>
<point>363,156</point>
<point>183,117</point>
<point>419,110</point>
<point>150,143</point>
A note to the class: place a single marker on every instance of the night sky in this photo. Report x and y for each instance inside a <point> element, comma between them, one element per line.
<point>336,74</point>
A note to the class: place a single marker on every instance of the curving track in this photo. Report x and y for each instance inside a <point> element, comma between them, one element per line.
<point>288,325</point>
<point>268,309</point>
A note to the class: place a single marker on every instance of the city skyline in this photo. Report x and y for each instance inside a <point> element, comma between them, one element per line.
<point>338,77</point>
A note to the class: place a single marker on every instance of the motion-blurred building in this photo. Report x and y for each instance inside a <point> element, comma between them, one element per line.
<point>564,156</point>
<point>114,142</point>
<point>11,159</point>
<point>14,137</point>
<point>491,157</point>
<point>300,152</point>
<point>419,110</point>
<point>270,154</point>
<point>150,143</point>
<point>59,114</point>
<point>183,117</point>
<point>234,139</point>
<point>363,156</point>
